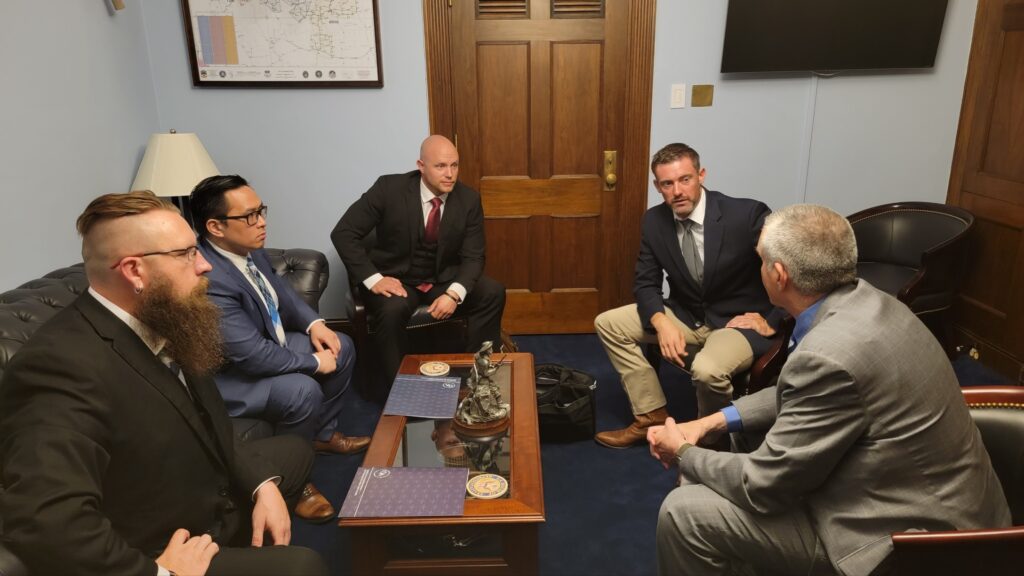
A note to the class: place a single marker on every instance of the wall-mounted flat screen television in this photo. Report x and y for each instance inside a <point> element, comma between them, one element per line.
<point>829,35</point>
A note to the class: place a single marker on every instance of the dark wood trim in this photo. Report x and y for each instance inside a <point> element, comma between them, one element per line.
<point>437,31</point>
<point>636,151</point>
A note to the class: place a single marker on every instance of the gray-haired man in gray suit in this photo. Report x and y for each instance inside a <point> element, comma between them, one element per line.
<point>867,431</point>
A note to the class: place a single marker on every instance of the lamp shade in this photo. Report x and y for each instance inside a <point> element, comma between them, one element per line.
<point>173,164</point>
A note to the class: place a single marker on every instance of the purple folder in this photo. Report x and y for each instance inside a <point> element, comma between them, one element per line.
<point>395,492</point>
<point>423,396</point>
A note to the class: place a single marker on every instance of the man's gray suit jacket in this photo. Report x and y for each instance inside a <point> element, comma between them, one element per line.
<point>867,430</point>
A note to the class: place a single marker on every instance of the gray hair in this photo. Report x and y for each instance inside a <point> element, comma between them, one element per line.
<point>815,245</point>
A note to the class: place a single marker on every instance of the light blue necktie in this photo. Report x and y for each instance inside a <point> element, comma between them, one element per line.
<point>257,278</point>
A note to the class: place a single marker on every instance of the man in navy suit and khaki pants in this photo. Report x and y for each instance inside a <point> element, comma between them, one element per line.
<point>705,242</point>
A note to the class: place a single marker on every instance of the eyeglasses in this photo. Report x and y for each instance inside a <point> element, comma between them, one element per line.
<point>188,253</point>
<point>250,218</point>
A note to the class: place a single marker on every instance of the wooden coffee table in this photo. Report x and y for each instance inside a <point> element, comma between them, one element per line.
<point>497,536</point>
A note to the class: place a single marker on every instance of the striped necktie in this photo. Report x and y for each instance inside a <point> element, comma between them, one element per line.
<point>268,298</point>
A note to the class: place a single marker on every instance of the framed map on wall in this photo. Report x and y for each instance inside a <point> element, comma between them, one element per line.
<point>283,43</point>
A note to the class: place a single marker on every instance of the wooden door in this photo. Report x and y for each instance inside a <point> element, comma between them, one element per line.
<point>988,180</point>
<point>534,92</point>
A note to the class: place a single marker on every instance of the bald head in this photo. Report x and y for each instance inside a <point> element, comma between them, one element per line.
<point>436,145</point>
<point>438,164</point>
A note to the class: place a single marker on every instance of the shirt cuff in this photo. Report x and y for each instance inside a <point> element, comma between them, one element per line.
<point>459,290</point>
<point>317,358</point>
<point>733,422</point>
<point>275,479</point>
<point>310,327</point>
<point>372,280</point>
<point>161,571</point>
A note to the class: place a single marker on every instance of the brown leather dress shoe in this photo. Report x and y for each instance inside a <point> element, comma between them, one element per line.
<point>313,507</point>
<point>341,444</point>
<point>634,433</point>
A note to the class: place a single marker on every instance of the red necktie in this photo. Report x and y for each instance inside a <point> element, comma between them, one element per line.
<point>433,222</point>
<point>430,233</point>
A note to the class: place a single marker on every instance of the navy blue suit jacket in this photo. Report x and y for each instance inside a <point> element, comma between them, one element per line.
<point>250,345</point>
<point>732,279</point>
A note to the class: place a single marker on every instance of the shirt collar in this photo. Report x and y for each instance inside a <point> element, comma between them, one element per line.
<point>239,261</point>
<point>803,321</point>
<point>426,195</point>
<point>151,339</point>
<point>697,215</point>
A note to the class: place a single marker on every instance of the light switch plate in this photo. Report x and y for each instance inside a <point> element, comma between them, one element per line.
<point>678,96</point>
<point>703,95</point>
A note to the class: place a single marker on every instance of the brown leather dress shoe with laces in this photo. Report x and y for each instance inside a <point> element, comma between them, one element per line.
<point>635,432</point>
<point>313,507</point>
<point>341,444</point>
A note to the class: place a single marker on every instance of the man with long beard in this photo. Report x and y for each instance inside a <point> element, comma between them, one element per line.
<point>118,456</point>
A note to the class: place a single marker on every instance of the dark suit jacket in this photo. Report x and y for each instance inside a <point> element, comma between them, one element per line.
<point>105,455</point>
<point>732,278</point>
<point>250,343</point>
<point>392,207</point>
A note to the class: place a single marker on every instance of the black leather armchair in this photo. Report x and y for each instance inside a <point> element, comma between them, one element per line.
<point>915,251</point>
<point>24,309</point>
<point>998,412</point>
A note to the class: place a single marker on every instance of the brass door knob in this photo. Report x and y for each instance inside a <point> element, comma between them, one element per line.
<point>610,179</point>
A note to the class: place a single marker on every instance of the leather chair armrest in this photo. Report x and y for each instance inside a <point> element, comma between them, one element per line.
<point>992,551</point>
<point>767,366</point>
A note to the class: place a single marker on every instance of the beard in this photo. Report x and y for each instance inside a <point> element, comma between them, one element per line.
<point>191,325</point>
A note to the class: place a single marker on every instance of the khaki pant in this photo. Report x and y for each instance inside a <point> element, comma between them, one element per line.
<point>724,353</point>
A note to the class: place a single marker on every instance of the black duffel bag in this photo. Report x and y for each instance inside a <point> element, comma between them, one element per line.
<point>565,403</point>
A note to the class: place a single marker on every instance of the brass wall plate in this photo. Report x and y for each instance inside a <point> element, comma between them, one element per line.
<point>702,95</point>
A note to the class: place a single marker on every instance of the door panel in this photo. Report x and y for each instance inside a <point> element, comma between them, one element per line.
<point>988,180</point>
<point>539,91</point>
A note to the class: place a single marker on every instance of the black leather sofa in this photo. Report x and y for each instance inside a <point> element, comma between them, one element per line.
<point>25,308</point>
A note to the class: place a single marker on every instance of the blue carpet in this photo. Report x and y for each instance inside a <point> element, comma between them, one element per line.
<point>600,504</point>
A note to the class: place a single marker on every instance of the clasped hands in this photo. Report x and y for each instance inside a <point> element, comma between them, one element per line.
<point>327,345</point>
<point>664,441</point>
<point>442,307</point>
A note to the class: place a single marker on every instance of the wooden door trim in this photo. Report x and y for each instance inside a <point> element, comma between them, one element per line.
<point>440,102</point>
<point>637,149</point>
<point>630,202</point>
<point>982,48</point>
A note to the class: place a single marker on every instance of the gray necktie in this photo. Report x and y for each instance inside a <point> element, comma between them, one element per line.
<point>694,264</point>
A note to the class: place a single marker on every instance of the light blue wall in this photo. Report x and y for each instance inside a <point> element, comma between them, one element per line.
<point>77,112</point>
<point>307,153</point>
<point>849,142</point>
<point>76,109</point>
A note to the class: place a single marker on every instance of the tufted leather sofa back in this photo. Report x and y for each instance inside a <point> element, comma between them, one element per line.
<point>24,309</point>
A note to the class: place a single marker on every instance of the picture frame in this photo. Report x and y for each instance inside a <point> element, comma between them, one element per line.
<point>313,44</point>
